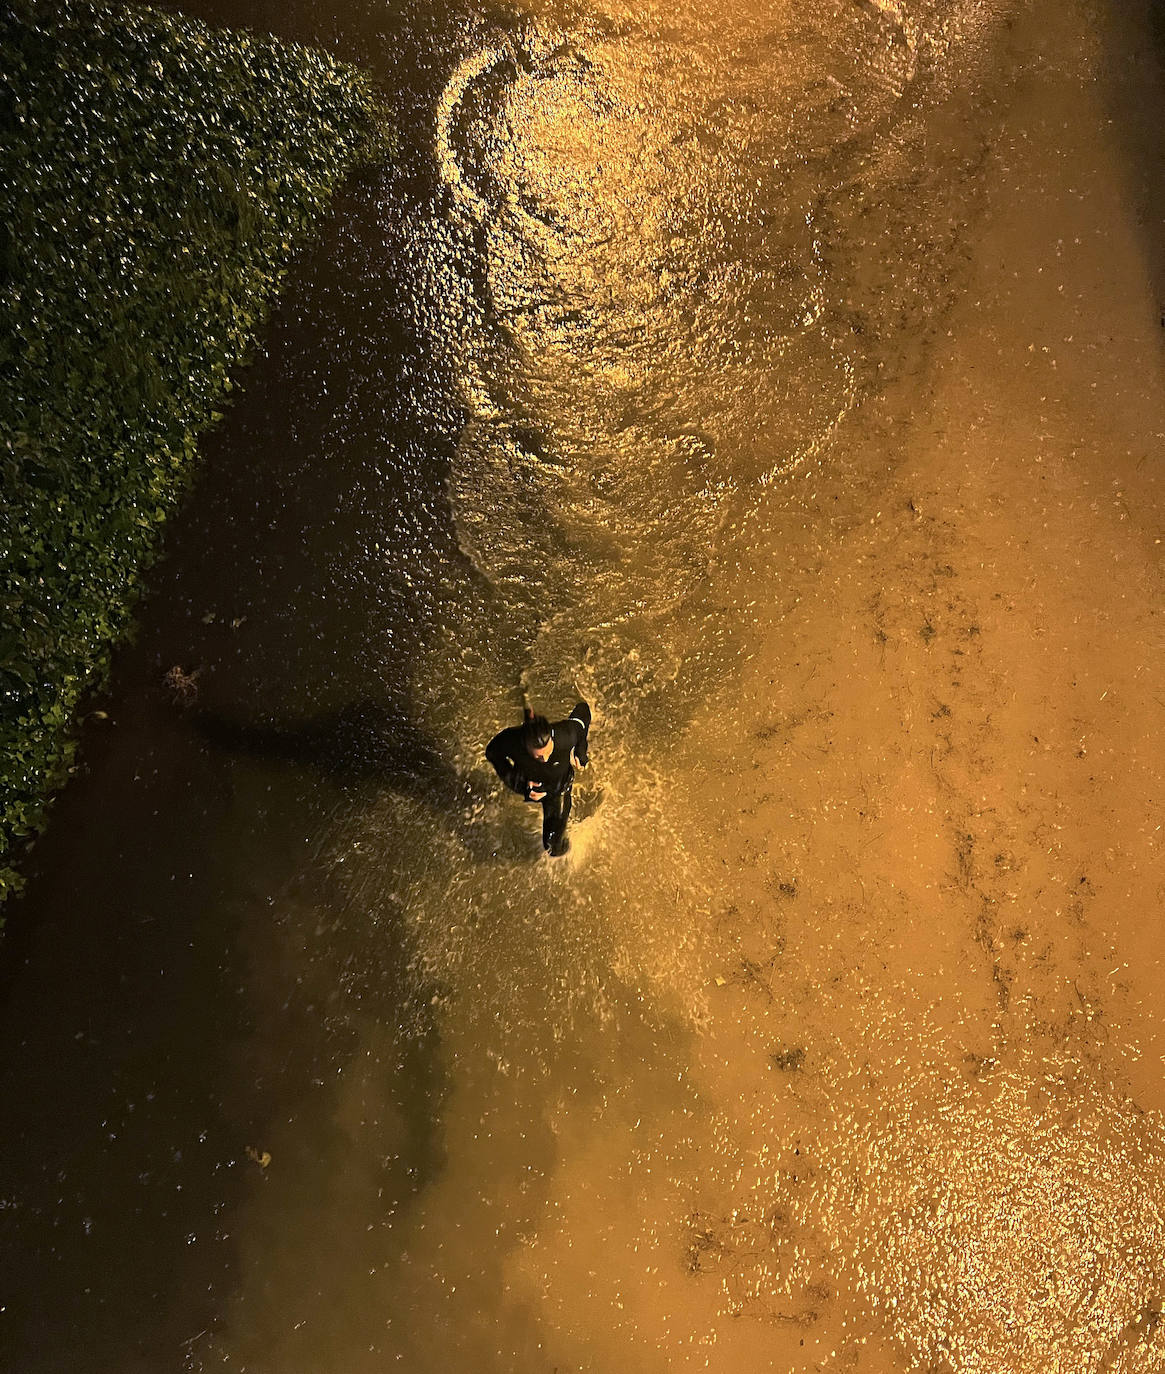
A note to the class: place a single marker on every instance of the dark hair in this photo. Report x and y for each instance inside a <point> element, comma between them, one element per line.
<point>535,731</point>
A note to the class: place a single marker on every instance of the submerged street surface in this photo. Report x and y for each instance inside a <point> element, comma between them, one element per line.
<point>786,382</point>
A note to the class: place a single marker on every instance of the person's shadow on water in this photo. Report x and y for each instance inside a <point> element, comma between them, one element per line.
<point>370,743</point>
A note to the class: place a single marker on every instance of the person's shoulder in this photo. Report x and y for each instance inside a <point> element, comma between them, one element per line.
<point>507,738</point>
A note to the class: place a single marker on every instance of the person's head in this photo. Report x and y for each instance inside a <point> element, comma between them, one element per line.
<point>536,736</point>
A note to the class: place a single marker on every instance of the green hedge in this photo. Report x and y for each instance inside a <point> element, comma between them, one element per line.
<point>155,177</point>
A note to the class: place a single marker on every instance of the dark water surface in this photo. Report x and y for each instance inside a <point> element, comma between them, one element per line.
<point>635,265</point>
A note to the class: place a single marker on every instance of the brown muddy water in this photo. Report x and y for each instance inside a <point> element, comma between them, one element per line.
<point>786,380</point>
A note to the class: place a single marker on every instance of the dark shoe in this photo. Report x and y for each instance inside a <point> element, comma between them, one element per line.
<point>558,846</point>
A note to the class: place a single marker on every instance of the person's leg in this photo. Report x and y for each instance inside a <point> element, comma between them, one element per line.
<point>555,811</point>
<point>560,844</point>
<point>549,821</point>
<point>581,712</point>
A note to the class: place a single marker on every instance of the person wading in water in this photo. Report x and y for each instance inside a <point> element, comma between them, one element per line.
<point>536,760</point>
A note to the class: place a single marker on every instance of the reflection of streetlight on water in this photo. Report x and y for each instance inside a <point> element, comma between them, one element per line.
<point>650,306</point>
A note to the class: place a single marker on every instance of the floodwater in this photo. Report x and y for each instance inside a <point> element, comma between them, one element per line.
<point>699,361</point>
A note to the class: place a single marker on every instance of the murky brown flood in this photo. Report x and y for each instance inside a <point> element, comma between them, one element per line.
<point>784,379</point>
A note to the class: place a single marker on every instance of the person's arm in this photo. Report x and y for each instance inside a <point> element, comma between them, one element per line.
<point>580,720</point>
<point>499,752</point>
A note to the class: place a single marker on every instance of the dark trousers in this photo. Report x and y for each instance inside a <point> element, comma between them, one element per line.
<point>555,811</point>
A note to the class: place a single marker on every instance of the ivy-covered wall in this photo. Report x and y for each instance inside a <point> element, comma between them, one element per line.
<point>155,177</point>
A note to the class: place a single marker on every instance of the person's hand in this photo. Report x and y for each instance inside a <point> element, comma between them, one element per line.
<point>535,792</point>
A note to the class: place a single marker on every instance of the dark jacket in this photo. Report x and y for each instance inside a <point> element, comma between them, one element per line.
<point>517,767</point>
